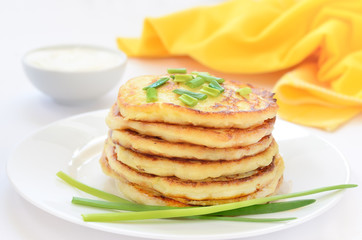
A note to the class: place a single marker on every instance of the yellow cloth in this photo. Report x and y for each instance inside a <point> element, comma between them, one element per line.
<point>320,39</point>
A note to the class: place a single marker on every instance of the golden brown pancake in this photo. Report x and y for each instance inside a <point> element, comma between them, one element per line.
<point>167,153</point>
<point>156,146</point>
<point>145,195</point>
<point>232,186</point>
<point>149,196</point>
<point>192,169</point>
<point>209,137</point>
<point>228,110</point>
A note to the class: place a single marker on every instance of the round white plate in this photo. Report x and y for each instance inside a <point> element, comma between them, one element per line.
<point>74,145</point>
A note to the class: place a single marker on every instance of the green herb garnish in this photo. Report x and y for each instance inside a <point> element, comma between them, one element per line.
<point>196,211</point>
<point>266,208</point>
<point>196,72</point>
<point>208,78</point>
<point>188,100</point>
<point>158,83</point>
<point>199,96</point>
<point>176,70</point>
<point>244,91</point>
<point>216,85</point>
<point>151,94</point>
<point>127,206</point>
<point>182,77</point>
<point>196,82</point>
<point>217,212</point>
<point>93,191</point>
<point>210,91</point>
<point>241,219</point>
<point>251,210</point>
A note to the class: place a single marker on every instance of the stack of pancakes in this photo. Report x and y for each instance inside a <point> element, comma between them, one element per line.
<point>166,153</point>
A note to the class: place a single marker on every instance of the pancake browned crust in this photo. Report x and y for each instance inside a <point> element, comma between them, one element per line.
<point>156,146</point>
<point>192,169</point>
<point>149,196</point>
<point>228,110</point>
<point>218,151</point>
<point>134,192</point>
<point>145,195</point>
<point>209,137</point>
<point>213,188</point>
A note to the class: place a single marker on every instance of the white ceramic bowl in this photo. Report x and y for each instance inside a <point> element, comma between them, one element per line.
<point>74,73</point>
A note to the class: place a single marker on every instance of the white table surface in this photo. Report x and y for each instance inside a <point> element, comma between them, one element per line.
<point>28,24</point>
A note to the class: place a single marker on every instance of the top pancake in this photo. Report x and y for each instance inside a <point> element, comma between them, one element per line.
<point>227,110</point>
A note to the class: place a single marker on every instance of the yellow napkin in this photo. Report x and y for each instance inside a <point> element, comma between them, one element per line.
<point>320,39</point>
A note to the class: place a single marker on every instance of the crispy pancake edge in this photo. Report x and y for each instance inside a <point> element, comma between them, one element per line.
<point>193,169</point>
<point>219,188</point>
<point>147,196</point>
<point>156,146</point>
<point>210,137</point>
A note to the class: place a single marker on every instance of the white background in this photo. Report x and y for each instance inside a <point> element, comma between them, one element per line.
<point>29,24</point>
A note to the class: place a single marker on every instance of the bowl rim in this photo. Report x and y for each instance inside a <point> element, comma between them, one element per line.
<point>118,52</point>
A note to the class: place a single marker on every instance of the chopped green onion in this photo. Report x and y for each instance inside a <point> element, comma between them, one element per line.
<point>199,96</point>
<point>188,100</point>
<point>266,208</point>
<point>93,191</point>
<point>216,85</point>
<point>210,91</point>
<point>244,91</point>
<point>196,82</point>
<point>196,72</point>
<point>187,212</point>
<point>241,219</point>
<point>208,78</point>
<point>151,94</point>
<point>176,70</point>
<point>158,83</point>
<point>182,77</point>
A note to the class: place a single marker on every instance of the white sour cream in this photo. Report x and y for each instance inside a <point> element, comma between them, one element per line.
<point>73,59</point>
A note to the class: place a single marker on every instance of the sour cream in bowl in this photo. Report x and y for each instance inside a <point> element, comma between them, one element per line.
<point>74,73</point>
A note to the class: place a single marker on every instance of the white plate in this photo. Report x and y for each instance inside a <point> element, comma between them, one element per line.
<point>73,145</point>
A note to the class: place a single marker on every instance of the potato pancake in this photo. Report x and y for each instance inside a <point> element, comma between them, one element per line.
<point>209,137</point>
<point>228,110</point>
